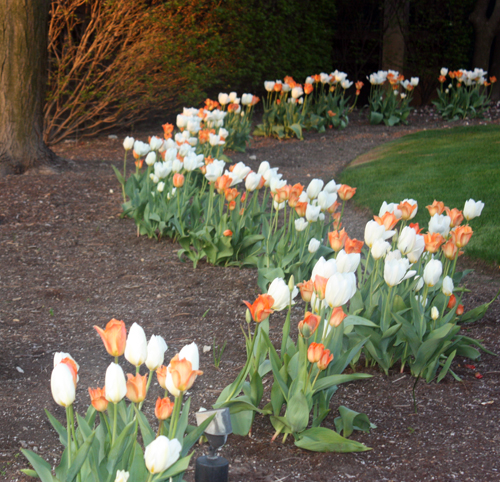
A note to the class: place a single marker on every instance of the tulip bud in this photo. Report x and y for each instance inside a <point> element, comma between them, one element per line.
<point>306,290</point>
<point>432,272</point>
<point>113,337</point>
<point>191,353</point>
<point>156,352</point>
<point>314,352</point>
<point>98,398</point>
<point>314,245</point>
<point>163,408</point>
<point>325,360</point>
<point>447,286</point>
<point>128,143</point>
<point>136,387</point>
<point>122,476</point>
<point>62,385</point>
<point>434,313</point>
<point>248,316</point>
<point>151,158</point>
<point>178,180</point>
<point>115,384</point>
<point>291,283</point>
<point>161,453</point>
<point>337,317</point>
<point>136,349</point>
<point>309,325</point>
<point>460,310</point>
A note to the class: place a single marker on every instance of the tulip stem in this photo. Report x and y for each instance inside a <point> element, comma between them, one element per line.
<point>72,417</point>
<point>175,416</point>
<point>115,419</point>
<point>106,421</point>
<point>69,435</point>
<point>147,388</point>
<point>124,176</point>
<point>160,426</point>
<point>150,477</point>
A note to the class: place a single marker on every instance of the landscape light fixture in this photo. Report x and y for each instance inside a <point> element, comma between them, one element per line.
<point>211,467</point>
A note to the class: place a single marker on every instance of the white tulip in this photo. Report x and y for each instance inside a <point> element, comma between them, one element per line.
<point>418,248</point>
<point>332,187</point>
<point>155,143</point>
<point>326,199</point>
<point>314,188</point>
<point>162,453</point>
<point>128,143</point>
<point>62,385</point>
<point>233,97</point>
<point>252,181</point>
<point>444,72</point>
<point>440,223</point>
<point>312,213</point>
<point>151,158</point>
<point>279,206</point>
<point>115,383</point>
<point>301,224</point>
<point>396,270</point>
<point>263,167</point>
<point>314,245</point>
<point>269,85</point>
<point>190,352</point>
<point>156,352</point>
<point>434,313</point>
<point>240,170</point>
<point>223,99</point>
<point>432,272</point>
<point>390,208</point>
<point>141,148</point>
<point>473,209</point>
<point>297,92</point>
<point>375,231</point>
<point>161,186</point>
<point>122,476</point>
<point>181,121</point>
<point>324,268</point>
<point>380,248</point>
<point>406,240</point>
<point>347,263</point>
<point>280,292</point>
<point>214,170</point>
<point>340,288</point>
<point>448,286</point>
<point>136,348</point>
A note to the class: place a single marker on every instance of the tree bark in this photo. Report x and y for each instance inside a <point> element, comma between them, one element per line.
<point>23,75</point>
<point>396,16</point>
<point>485,30</point>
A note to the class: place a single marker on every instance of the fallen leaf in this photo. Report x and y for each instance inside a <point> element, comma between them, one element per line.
<point>470,367</point>
<point>478,375</point>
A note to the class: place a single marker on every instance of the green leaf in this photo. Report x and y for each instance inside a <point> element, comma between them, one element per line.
<point>63,433</point>
<point>321,439</point>
<point>81,457</point>
<point>297,412</point>
<point>376,117</point>
<point>137,469</point>
<point>297,129</point>
<point>118,174</point>
<point>192,437</point>
<point>446,366</point>
<point>42,468</point>
<point>179,467</point>
<point>350,420</point>
<point>29,473</point>
<point>353,320</point>
<point>332,380</point>
<point>147,432</point>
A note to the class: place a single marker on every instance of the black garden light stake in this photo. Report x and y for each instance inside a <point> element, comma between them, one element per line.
<point>211,467</point>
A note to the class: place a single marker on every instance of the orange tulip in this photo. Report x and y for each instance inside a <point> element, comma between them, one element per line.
<point>346,192</point>
<point>320,286</point>
<point>139,163</point>
<point>136,387</point>
<point>114,337</point>
<point>228,232</point>
<point>98,398</point>
<point>308,88</point>
<point>167,130</point>
<point>407,209</point>
<point>315,351</point>
<point>309,324</point>
<point>416,227</point>
<point>337,239</point>
<point>336,221</point>
<point>456,216</point>
<point>437,207</point>
<point>277,87</point>
<point>306,290</point>
<point>282,194</point>
<point>353,245</point>
<point>449,250</point>
<point>358,85</point>
<point>222,183</point>
<point>433,241</point>
<point>261,308</point>
<point>442,78</point>
<point>231,194</point>
<point>178,180</point>
<point>452,302</point>
<point>388,220</point>
<point>461,235</point>
<point>325,360</point>
<point>164,408</point>
<point>183,375</point>
<point>73,368</point>
<point>161,375</point>
<point>460,310</point>
<point>301,208</point>
<point>333,207</point>
<point>337,317</point>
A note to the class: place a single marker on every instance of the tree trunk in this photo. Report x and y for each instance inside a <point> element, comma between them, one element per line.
<point>23,75</point>
<point>485,30</point>
<point>396,16</point>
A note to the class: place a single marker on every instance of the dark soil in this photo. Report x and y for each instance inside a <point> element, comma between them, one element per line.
<point>68,262</point>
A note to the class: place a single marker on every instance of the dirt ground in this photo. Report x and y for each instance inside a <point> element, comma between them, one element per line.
<point>68,262</point>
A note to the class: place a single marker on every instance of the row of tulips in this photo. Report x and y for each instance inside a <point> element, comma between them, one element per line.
<point>463,93</point>
<point>268,224</point>
<point>399,305</point>
<point>110,450</point>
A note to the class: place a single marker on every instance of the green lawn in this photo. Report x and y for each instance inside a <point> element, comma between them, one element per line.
<point>450,165</point>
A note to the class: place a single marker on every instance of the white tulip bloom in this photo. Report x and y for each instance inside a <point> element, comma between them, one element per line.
<point>440,223</point>
<point>340,288</point>
<point>280,292</point>
<point>314,188</point>
<point>191,353</point>
<point>62,385</point>
<point>380,248</point>
<point>406,240</point>
<point>128,143</point>
<point>301,224</point>
<point>136,348</point>
<point>324,268</point>
<point>312,213</point>
<point>418,248</point>
<point>314,245</point>
<point>214,170</point>
<point>473,209</point>
<point>252,181</point>
<point>162,453</point>
<point>448,286</point>
<point>156,352</point>
<point>347,263</point>
<point>115,383</point>
<point>432,272</point>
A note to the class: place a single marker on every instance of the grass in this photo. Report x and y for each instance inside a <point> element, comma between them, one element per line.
<point>450,165</point>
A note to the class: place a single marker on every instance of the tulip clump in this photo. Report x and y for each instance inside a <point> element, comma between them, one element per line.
<point>115,438</point>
